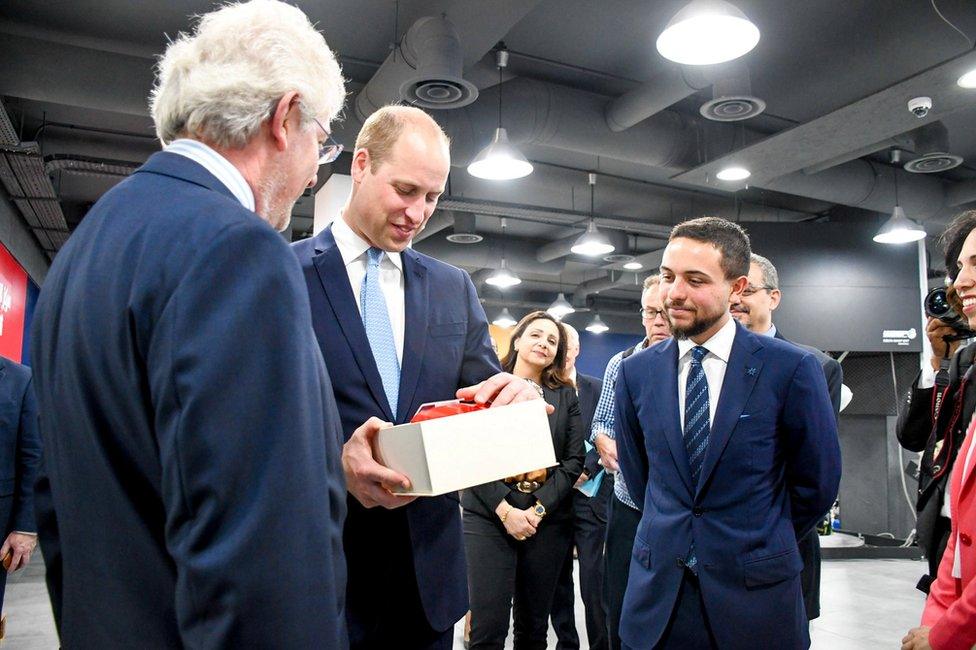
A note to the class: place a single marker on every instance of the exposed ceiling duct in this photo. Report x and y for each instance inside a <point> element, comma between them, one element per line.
<point>425,69</point>
<point>612,280</point>
<point>519,255</point>
<point>932,150</point>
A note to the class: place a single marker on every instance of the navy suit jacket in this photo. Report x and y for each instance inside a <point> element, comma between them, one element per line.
<point>771,470</point>
<point>190,434</point>
<point>20,448</point>
<point>446,346</point>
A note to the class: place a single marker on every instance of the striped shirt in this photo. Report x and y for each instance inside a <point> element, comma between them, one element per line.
<point>603,419</point>
<point>217,165</point>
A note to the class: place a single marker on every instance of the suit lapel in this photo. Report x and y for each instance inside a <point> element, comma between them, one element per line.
<point>552,397</point>
<point>335,282</point>
<point>666,387</point>
<point>740,377</point>
<point>415,287</point>
<point>965,480</point>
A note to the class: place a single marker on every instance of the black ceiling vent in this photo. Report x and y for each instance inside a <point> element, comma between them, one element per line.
<point>732,98</point>
<point>932,147</point>
<point>464,230</point>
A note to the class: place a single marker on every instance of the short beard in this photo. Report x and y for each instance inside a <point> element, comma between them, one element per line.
<point>698,326</point>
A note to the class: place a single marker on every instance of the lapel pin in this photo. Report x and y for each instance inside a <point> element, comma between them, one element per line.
<point>751,372</point>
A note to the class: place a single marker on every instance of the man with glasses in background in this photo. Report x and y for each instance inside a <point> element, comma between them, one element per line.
<point>623,515</point>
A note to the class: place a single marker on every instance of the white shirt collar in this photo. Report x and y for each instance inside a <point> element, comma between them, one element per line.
<point>770,332</point>
<point>229,176</point>
<point>720,344</point>
<point>352,246</point>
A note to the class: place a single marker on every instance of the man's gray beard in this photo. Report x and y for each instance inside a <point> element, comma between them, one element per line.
<point>697,327</point>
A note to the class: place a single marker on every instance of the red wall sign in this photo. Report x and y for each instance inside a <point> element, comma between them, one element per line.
<point>13,298</point>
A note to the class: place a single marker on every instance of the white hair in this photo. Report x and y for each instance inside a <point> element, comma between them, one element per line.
<point>220,83</point>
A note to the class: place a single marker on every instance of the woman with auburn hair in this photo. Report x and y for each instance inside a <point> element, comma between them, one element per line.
<point>517,531</point>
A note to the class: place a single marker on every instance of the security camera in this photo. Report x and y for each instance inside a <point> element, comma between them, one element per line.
<point>920,106</point>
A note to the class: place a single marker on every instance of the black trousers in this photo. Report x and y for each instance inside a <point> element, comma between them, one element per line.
<point>502,570</point>
<point>621,530</point>
<point>589,536</point>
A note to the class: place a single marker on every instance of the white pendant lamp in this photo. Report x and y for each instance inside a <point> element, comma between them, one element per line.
<point>560,307</point>
<point>504,319</point>
<point>597,326</point>
<point>898,229</point>
<point>592,242</point>
<point>705,32</point>
<point>500,160</point>
<point>503,278</point>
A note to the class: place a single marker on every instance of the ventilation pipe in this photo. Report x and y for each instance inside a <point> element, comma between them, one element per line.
<point>519,255</point>
<point>731,90</point>
<point>425,70</point>
<point>590,287</point>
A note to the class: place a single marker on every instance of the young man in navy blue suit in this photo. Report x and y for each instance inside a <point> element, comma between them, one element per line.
<point>399,329</point>
<point>190,434</point>
<point>729,441</point>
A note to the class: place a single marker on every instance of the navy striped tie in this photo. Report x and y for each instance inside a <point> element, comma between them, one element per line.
<point>697,426</point>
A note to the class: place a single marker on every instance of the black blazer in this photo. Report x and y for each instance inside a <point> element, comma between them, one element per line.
<point>589,388</point>
<point>567,440</point>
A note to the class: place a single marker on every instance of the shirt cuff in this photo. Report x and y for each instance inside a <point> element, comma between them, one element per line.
<point>24,532</point>
<point>927,378</point>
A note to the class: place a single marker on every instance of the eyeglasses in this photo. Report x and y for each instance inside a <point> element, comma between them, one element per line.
<point>329,151</point>
<point>651,313</point>
<point>751,290</point>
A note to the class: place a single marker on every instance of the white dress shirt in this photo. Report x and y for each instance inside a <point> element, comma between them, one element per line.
<point>353,249</point>
<point>217,165</point>
<point>714,364</point>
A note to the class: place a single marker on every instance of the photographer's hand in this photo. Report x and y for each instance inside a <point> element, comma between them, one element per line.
<point>936,330</point>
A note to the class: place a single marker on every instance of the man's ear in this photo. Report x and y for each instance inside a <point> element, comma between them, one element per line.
<point>286,115</point>
<point>739,285</point>
<point>360,165</point>
<point>774,298</point>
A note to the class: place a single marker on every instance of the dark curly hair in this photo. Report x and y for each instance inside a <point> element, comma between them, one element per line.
<point>953,238</point>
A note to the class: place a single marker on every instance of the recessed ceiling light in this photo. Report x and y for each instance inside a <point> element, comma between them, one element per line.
<point>734,174</point>
<point>633,266</point>
<point>968,80</point>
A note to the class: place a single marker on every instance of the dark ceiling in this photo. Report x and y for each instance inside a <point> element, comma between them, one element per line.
<point>835,76</point>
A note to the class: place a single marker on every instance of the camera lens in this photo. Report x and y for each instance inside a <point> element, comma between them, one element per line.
<point>937,304</point>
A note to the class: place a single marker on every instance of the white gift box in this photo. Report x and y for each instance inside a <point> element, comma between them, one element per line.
<point>459,451</point>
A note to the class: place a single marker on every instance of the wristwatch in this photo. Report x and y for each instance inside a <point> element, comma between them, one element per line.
<point>539,509</point>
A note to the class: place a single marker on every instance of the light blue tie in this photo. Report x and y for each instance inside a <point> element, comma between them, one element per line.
<point>697,426</point>
<point>379,331</point>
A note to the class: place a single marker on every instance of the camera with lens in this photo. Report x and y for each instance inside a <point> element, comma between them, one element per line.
<point>937,305</point>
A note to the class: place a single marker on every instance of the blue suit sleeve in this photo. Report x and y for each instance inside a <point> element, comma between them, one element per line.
<point>480,361</point>
<point>236,380</point>
<point>631,452</point>
<point>28,463</point>
<point>835,377</point>
<point>812,448</point>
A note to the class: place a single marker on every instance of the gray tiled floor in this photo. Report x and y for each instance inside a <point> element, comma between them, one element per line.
<point>867,605</point>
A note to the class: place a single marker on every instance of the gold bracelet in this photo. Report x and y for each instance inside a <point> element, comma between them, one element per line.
<point>505,516</point>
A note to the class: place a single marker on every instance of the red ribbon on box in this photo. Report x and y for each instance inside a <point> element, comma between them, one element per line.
<point>434,410</point>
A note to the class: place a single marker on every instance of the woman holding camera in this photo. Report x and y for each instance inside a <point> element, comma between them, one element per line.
<point>518,531</point>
